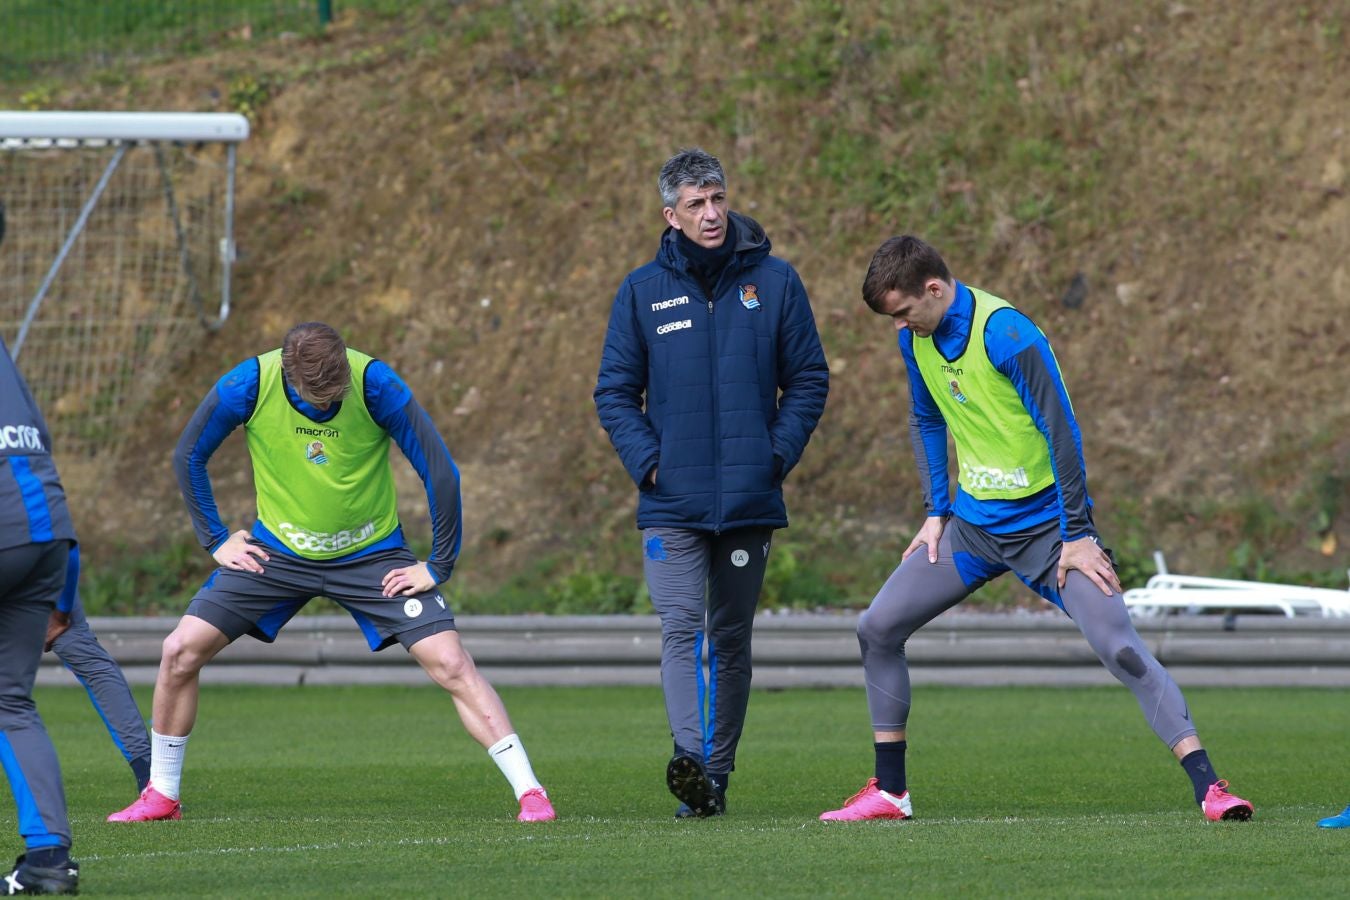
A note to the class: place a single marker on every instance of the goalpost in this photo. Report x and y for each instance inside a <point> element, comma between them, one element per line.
<point>117,257</point>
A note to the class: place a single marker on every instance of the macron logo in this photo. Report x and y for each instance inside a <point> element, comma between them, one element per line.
<point>667,304</point>
<point>20,437</point>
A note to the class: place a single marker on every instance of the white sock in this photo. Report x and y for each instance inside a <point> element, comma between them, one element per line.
<point>166,762</point>
<point>509,755</point>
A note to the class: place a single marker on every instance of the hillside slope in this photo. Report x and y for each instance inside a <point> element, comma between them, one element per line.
<point>462,190</point>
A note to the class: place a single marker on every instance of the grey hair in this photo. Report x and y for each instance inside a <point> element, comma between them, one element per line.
<point>690,166</point>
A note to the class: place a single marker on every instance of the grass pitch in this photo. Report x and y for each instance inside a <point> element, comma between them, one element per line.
<point>1017,792</point>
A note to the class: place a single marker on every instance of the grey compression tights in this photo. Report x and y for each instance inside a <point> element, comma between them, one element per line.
<point>918,591</point>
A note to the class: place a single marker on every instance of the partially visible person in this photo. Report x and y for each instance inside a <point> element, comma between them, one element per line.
<point>711,382</point>
<point>983,373</point>
<point>1340,820</point>
<point>319,419</point>
<point>75,644</point>
<point>36,535</point>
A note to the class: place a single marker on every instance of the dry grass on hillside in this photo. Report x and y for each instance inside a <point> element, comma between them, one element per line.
<point>463,196</point>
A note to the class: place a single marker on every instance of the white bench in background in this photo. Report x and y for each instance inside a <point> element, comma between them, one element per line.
<point>1166,592</point>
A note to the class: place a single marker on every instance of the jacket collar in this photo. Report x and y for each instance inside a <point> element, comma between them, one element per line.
<point>752,245</point>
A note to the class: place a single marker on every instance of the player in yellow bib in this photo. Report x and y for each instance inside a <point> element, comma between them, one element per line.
<point>319,420</point>
<point>982,372</point>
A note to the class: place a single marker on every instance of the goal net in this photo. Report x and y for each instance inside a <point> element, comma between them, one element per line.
<point>116,258</point>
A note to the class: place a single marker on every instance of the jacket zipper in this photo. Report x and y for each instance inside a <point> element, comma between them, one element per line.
<point>717,421</point>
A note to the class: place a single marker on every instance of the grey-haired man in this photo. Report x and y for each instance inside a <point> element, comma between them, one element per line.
<point>711,383</point>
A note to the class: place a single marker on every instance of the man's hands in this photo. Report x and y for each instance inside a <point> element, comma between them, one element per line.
<point>409,580</point>
<point>929,535</point>
<point>57,624</point>
<point>238,553</point>
<point>1087,556</point>
<point>1084,554</point>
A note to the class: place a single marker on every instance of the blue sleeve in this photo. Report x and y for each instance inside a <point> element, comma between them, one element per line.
<point>386,392</point>
<point>928,435</point>
<point>229,405</point>
<point>393,407</point>
<point>621,386</point>
<point>1019,350</point>
<point>803,378</point>
<point>1007,333</point>
<point>66,602</point>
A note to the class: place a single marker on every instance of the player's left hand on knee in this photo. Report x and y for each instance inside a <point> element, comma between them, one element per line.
<point>408,580</point>
<point>1087,556</point>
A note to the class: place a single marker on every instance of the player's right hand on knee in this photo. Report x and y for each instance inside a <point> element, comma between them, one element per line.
<point>58,623</point>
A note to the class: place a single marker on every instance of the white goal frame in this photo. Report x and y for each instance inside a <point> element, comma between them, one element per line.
<point>122,130</point>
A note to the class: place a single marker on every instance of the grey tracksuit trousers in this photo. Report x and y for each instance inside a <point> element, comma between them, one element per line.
<point>89,662</point>
<point>31,578</point>
<point>705,587</point>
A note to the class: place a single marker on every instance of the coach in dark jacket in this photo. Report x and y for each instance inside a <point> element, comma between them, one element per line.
<point>711,382</point>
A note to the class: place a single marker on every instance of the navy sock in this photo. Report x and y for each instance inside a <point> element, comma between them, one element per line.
<point>1196,763</point>
<point>48,857</point>
<point>891,766</point>
<point>140,767</point>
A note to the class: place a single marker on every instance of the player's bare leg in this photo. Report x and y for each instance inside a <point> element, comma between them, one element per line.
<point>191,645</point>
<point>1186,746</point>
<point>448,664</point>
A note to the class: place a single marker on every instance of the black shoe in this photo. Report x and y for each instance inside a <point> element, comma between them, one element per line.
<point>684,812</point>
<point>26,879</point>
<point>689,782</point>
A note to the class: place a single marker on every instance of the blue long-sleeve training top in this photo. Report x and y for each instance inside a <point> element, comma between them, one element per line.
<point>1021,352</point>
<point>392,406</point>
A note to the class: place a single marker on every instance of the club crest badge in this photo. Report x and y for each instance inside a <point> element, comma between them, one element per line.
<point>749,297</point>
<point>314,453</point>
<point>956,391</point>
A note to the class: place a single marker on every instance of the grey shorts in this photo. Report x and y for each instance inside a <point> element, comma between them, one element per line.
<point>260,604</point>
<point>1032,555</point>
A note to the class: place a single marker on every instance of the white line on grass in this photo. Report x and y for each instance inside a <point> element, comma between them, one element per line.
<point>294,848</point>
<point>1167,819</point>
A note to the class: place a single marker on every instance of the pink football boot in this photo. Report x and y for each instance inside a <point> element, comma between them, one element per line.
<point>871,803</point>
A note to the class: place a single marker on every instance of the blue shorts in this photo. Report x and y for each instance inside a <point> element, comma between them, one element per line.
<point>260,604</point>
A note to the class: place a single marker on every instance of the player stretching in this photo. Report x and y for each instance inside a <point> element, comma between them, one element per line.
<point>983,371</point>
<point>318,419</point>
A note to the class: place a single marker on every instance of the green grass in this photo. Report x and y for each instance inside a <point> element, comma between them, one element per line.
<point>1017,792</point>
<point>72,34</point>
<point>42,31</point>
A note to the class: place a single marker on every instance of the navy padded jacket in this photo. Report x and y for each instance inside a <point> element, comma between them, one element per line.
<point>720,393</point>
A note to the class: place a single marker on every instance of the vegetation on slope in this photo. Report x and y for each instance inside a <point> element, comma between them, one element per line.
<point>461,188</point>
